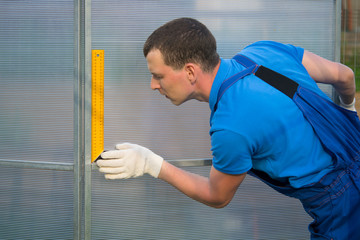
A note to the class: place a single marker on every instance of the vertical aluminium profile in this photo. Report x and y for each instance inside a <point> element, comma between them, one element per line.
<point>82,116</point>
<point>87,116</point>
<point>337,45</point>
<point>78,121</point>
<point>337,22</point>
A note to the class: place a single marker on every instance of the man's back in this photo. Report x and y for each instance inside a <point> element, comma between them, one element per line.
<point>257,126</point>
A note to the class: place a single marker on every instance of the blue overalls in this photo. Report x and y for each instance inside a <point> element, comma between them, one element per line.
<point>334,201</point>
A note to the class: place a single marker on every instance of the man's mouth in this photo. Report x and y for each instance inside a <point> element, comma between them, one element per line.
<point>162,93</point>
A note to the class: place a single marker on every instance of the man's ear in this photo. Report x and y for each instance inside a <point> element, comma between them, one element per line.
<point>190,69</point>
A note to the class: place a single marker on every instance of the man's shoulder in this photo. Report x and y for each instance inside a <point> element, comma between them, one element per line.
<point>268,43</point>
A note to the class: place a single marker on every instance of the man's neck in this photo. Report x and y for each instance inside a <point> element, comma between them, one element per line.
<point>209,80</point>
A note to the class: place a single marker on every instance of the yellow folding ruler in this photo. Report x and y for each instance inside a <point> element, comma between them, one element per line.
<point>97,103</point>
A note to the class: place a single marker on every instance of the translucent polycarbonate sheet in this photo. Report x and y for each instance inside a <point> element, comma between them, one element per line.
<point>148,208</point>
<point>133,112</point>
<point>37,78</point>
<point>36,204</point>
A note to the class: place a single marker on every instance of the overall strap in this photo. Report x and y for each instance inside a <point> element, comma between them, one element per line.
<point>243,60</point>
<point>278,81</point>
<point>233,79</point>
<point>275,79</point>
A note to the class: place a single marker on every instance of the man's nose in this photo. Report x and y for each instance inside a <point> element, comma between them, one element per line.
<point>154,84</point>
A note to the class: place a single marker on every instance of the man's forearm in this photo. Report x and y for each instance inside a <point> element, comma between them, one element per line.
<point>338,75</point>
<point>216,191</point>
<point>192,185</point>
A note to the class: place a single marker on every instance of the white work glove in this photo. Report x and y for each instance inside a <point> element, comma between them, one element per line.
<point>129,160</point>
<point>350,106</point>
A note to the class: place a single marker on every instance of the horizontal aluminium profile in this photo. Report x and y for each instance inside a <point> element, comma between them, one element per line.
<point>70,166</point>
<point>179,163</point>
<point>37,165</point>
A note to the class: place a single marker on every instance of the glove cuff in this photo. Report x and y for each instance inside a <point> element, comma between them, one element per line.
<point>350,106</point>
<point>154,163</point>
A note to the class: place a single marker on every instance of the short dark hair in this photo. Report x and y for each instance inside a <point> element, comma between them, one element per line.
<point>184,40</point>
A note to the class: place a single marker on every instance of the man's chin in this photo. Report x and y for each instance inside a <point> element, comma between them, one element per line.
<point>178,103</point>
<point>175,102</point>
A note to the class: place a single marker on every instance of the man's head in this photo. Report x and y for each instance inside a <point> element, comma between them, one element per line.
<point>184,40</point>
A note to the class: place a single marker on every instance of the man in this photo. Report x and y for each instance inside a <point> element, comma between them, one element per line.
<point>255,128</point>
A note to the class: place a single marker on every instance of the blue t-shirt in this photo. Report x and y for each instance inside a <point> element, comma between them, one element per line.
<point>256,126</point>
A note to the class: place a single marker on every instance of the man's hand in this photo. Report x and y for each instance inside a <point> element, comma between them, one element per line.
<point>129,160</point>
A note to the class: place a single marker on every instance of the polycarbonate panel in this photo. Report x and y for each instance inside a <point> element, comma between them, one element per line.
<point>37,78</point>
<point>147,208</point>
<point>36,204</point>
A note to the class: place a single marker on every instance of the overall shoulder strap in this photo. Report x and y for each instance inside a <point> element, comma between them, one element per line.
<point>227,83</point>
<point>243,60</point>
<point>278,81</point>
<point>275,79</point>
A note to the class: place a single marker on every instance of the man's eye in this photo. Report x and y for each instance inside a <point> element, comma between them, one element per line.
<point>157,77</point>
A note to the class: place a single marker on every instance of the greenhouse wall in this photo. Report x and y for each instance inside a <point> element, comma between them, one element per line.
<point>51,190</point>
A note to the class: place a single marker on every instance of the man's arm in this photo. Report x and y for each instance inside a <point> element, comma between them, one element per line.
<point>325,71</point>
<point>216,191</point>
<point>132,160</point>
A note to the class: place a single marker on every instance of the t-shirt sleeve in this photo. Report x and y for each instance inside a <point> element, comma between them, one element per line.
<point>231,152</point>
<point>296,51</point>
